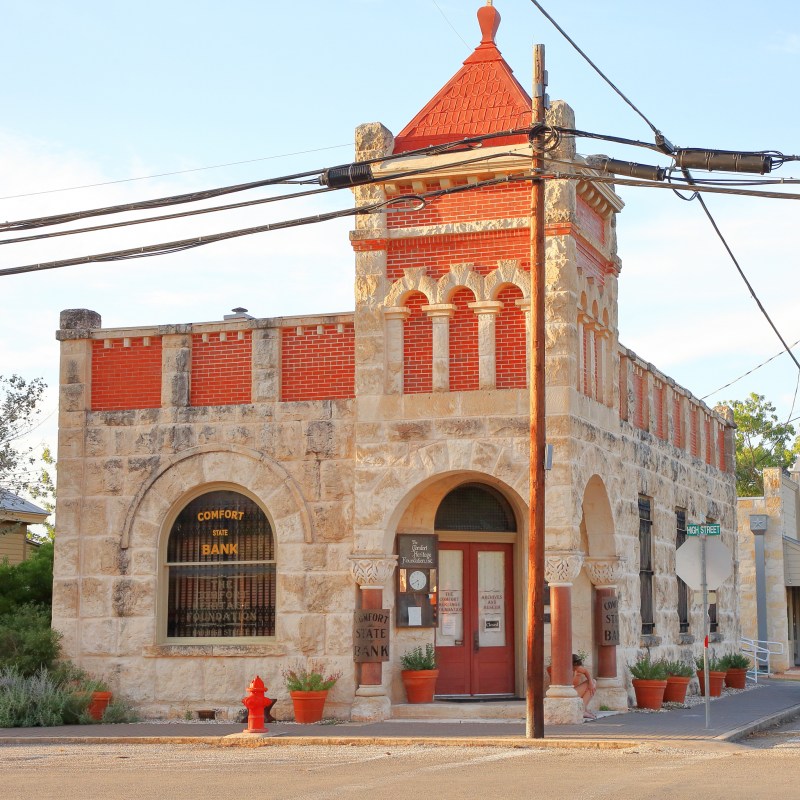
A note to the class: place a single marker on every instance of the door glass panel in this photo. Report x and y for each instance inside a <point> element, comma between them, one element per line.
<point>491,599</point>
<point>450,629</point>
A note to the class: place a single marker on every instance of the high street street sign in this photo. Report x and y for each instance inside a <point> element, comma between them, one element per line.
<point>702,530</point>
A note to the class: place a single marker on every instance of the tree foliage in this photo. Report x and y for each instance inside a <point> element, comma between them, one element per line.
<point>761,441</point>
<point>19,407</point>
<point>30,581</point>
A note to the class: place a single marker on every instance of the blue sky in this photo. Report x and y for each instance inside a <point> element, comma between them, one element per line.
<point>98,92</point>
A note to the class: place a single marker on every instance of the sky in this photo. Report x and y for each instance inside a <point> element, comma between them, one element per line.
<point>145,100</point>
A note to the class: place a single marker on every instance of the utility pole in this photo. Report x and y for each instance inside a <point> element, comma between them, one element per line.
<point>534,694</point>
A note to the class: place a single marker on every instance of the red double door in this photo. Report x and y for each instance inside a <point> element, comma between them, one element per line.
<point>475,627</point>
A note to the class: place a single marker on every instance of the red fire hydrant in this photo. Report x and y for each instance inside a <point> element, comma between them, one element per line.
<point>255,703</point>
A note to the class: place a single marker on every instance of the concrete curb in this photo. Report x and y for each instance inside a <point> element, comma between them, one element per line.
<point>267,740</point>
<point>759,725</point>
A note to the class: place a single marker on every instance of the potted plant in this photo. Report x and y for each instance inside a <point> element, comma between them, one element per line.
<point>678,676</point>
<point>419,673</point>
<point>735,666</point>
<point>716,675</point>
<point>308,689</point>
<point>649,682</point>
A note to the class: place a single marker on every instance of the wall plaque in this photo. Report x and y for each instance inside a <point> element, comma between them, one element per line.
<point>417,550</point>
<point>371,635</point>
<point>608,621</point>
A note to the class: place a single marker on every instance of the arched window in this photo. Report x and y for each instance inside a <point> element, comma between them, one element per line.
<point>221,569</point>
<point>475,507</point>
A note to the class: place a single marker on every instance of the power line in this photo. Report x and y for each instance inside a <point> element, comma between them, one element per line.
<point>174,172</point>
<point>439,9</point>
<point>191,197</point>
<point>656,131</point>
<point>199,241</point>
<point>394,176</point>
<point>749,372</point>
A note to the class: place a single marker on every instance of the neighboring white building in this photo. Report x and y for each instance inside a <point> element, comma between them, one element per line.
<point>772,614</point>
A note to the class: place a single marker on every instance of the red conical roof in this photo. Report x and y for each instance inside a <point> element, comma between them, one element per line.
<point>482,97</point>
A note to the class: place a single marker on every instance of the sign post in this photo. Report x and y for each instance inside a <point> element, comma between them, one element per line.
<point>686,573</point>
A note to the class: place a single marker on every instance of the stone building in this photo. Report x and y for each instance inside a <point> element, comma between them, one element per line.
<point>769,567</point>
<point>232,492</point>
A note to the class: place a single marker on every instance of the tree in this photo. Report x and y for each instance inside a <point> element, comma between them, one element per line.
<point>44,492</point>
<point>761,441</point>
<point>19,407</point>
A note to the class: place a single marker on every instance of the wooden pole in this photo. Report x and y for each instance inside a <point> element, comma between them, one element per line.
<point>534,694</point>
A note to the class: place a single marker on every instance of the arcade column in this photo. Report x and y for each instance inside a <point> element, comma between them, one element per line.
<point>562,705</point>
<point>372,572</point>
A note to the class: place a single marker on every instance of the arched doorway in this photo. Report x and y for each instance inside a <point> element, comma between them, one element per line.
<point>476,528</point>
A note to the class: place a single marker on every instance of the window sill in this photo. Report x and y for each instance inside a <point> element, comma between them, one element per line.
<point>649,640</point>
<point>685,638</point>
<point>206,649</point>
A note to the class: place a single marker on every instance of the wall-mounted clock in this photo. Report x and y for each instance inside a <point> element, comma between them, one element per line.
<point>418,580</point>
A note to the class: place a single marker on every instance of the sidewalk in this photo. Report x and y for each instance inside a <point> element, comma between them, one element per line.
<point>732,718</point>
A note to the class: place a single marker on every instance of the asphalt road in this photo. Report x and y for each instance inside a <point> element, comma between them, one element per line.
<point>297,772</point>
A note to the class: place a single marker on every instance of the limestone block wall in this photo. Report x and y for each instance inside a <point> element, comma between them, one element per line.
<point>124,474</point>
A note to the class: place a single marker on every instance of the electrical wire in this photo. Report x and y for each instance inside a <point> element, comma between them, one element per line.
<point>199,241</point>
<point>439,9</point>
<point>741,272</point>
<point>190,197</point>
<point>394,176</point>
<point>174,172</point>
<point>656,131</point>
<point>749,372</point>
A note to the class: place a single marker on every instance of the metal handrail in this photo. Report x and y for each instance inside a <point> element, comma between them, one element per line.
<point>759,651</point>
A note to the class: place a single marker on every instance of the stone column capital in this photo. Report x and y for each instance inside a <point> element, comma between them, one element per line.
<point>489,307</point>
<point>604,572</point>
<point>372,570</point>
<point>561,567</point>
<point>397,312</point>
<point>439,310</point>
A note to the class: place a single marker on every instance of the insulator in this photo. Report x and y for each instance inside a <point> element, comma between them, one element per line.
<point>724,161</point>
<point>630,169</point>
<point>346,175</point>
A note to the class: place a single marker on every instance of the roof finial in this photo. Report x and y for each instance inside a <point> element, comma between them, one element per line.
<point>489,20</point>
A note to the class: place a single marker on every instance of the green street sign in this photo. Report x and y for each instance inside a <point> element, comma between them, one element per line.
<point>702,530</point>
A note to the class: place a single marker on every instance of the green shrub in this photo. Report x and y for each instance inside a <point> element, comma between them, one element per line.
<point>678,669</point>
<point>119,711</point>
<point>29,701</point>
<point>734,661</point>
<point>714,664</point>
<point>646,670</point>
<point>309,680</point>
<point>418,659</point>
<point>27,642</point>
<point>30,581</point>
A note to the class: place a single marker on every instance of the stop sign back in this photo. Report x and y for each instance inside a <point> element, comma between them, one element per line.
<point>719,563</point>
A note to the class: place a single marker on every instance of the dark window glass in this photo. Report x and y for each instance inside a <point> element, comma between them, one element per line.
<point>683,589</point>
<point>646,564</point>
<point>221,568</point>
<point>475,507</point>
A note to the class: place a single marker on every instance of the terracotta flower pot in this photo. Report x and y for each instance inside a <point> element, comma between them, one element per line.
<point>676,689</point>
<point>736,678</point>
<point>649,694</point>
<point>420,684</point>
<point>308,706</point>
<point>715,681</point>
<point>98,705</point>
